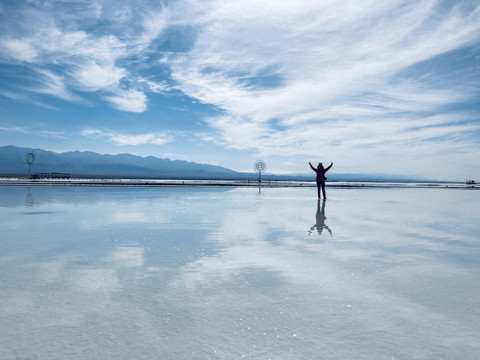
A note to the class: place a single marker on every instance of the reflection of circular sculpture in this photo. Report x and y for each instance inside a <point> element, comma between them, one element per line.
<point>260,165</point>
<point>30,158</point>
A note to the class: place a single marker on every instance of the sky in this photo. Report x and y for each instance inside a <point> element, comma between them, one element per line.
<point>372,86</point>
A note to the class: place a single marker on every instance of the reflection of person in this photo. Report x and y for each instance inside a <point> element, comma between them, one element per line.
<point>320,170</point>
<point>320,220</point>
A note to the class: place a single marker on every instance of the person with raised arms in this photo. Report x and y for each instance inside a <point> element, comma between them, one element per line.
<point>321,178</point>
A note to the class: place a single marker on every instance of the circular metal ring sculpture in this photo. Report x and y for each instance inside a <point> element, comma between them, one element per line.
<point>30,160</point>
<point>260,166</point>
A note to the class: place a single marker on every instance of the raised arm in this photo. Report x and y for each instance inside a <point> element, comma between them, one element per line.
<point>312,167</point>
<point>328,168</point>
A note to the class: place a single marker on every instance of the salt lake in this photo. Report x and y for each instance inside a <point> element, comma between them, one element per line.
<point>239,272</point>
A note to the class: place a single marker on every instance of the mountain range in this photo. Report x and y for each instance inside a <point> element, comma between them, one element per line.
<point>13,162</point>
<point>90,164</point>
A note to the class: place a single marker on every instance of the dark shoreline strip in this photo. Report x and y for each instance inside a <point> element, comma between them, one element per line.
<point>216,183</point>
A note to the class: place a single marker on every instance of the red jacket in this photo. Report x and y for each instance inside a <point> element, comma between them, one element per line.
<point>321,172</point>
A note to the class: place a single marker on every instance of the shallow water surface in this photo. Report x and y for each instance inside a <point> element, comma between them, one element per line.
<point>232,273</point>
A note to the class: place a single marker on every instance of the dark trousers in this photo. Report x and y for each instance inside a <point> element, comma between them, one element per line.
<point>321,185</point>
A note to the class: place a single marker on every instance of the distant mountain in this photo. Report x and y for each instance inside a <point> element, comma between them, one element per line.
<point>90,164</point>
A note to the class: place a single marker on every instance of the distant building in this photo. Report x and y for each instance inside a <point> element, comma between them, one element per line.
<point>51,176</point>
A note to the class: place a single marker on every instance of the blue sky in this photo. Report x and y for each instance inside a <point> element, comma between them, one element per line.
<point>374,86</point>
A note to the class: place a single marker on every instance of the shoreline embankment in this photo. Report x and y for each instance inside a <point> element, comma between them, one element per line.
<point>229,183</point>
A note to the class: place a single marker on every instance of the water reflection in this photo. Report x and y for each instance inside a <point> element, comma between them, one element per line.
<point>320,219</point>
<point>186,273</point>
<point>29,201</point>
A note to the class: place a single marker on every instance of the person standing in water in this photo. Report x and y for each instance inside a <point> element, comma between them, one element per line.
<point>320,170</point>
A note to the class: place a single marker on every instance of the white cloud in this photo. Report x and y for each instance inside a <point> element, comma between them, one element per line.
<point>19,50</point>
<point>53,84</point>
<point>238,133</point>
<point>319,63</point>
<point>288,78</point>
<point>93,76</point>
<point>23,130</point>
<point>130,100</point>
<point>154,25</point>
<point>85,61</point>
<point>344,70</point>
<point>13,128</point>
<point>155,87</point>
<point>129,139</point>
<point>157,139</point>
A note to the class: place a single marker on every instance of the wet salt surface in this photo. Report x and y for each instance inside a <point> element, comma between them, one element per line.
<point>231,273</point>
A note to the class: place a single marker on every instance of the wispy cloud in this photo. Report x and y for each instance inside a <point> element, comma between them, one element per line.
<point>25,99</point>
<point>346,71</point>
<point>131,100</point>
<point>325,59</point>
<point>21,50</point>
<point>295,79</point>
<point>92,76</point>
<point>53,84</point>
<point>36,132</point>
<point>13,128</point>
<point>129,139</point>
<point>71,60</point>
